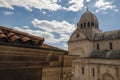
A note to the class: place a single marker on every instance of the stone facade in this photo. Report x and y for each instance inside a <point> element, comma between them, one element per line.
<point>99,52</point>
<point>96,69</point>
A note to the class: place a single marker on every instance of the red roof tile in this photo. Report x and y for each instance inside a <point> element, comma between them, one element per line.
<point>10,34</point>
<point>14,38</point>
<point>25,39</point>
<point>2,36</point>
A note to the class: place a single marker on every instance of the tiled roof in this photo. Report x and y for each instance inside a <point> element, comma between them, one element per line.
<point>13,37</point>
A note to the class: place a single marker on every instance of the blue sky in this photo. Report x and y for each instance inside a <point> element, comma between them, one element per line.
<point>55,20</point>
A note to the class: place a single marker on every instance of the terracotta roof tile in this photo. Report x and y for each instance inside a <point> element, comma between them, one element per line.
<point>10,34</point>
<point>2,36</point>
<point>25,39</point>
<point>14,38</point>
<point>1,31</point>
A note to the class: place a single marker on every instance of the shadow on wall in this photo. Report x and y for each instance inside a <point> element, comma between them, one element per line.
<point>21,74</point>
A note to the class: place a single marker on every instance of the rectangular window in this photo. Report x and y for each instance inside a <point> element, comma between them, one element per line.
<point>82,70</point>
<point>98,46</point>
<point>93,72</point>
<point>110,44</point>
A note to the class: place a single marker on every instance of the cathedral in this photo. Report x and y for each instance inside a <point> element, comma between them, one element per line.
<point>98,52</point>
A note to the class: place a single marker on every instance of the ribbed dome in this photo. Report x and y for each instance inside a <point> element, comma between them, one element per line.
<point>88,16</point>
<point>88,20</point>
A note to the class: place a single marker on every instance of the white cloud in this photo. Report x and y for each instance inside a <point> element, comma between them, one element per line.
<point>88,0</point>
<point>47,29</point>
<point>44,12</point>
<point>103,5</point>
<point>59,0</point>
<point>75,5</point>
<point>52,5</point>
<point>29,4</point>
<point>8,13</point>
<point>53,26</point>
<point>26,27</point>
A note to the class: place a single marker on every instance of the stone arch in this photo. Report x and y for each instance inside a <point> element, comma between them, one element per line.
<point>81,26</point>
<point>107,76</point>
<point>84,25</point>
<point>92,23</point>
<point>88,24</point>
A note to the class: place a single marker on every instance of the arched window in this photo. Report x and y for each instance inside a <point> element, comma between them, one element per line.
<point>110,44</point>
<point>92,23</point>
<point>98,46</point>
<point>88,24</point>
<point>81,26</point>
<point>84,25</point>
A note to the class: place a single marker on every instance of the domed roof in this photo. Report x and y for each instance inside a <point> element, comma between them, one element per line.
<point>88,16</point>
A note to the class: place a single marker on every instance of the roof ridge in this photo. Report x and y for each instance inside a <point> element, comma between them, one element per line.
<point>20,32</point>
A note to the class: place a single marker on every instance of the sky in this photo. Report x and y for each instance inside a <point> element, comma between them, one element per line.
<point>55,20</point>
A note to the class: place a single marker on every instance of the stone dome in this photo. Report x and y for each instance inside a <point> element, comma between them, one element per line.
<point>88,19</point>
<point>88,16</point>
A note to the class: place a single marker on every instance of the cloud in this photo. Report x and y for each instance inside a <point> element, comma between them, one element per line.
<point>75,5</point>
<point>53,26</point>
<point>53,5</point>
<point>43,12</point>
<point>48,29</point>
<point>29,4</point>
<point>88,0</point>
<point>8,13</point>
<point>26,27</point>
<point>105,5</point>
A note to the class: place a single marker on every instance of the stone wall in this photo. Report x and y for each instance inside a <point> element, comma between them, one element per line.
<point>104,45</point>
<point>57,73</point>
<point>82,48</point>
<point>17,63</point>
<point>97,69</point>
